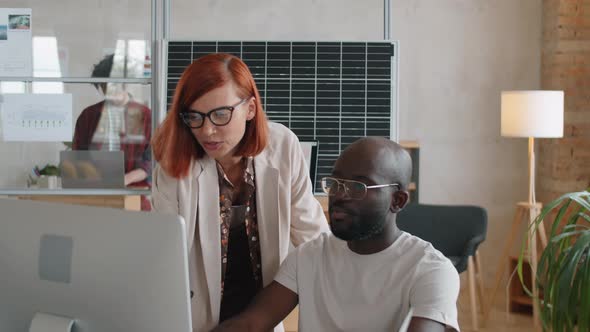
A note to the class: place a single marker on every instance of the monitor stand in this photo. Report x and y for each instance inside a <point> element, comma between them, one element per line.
<point>43,322</point>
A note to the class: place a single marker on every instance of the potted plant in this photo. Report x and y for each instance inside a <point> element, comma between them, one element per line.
<point>563,270</point>
<point>48,176</point>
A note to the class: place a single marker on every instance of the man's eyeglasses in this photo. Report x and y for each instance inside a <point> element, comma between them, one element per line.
<point>219,116</point>
<point>349,188</point>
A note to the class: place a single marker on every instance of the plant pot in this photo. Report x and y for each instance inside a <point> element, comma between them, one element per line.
<point>49,181</point>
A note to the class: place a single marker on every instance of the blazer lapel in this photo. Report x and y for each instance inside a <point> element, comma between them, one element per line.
<point>209,236</point>
<point>267,198</point>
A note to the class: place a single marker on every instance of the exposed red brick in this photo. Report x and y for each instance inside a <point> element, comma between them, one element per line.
<point>563,164</point>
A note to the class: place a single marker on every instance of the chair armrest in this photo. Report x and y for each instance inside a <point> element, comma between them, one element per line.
<point>471,246</point>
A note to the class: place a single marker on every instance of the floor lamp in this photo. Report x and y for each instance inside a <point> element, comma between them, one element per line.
<point>532,114</point>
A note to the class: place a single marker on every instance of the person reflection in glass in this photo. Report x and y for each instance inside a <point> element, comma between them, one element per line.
<point>117,124</point>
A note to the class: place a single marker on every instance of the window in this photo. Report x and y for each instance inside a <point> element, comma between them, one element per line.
<point>43,66</point>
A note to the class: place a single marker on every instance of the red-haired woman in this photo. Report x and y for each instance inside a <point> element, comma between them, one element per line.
<point>240,182</point>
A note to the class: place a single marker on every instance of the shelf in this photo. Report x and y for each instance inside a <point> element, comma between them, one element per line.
<point>77,79</point>
<point>522,299</point>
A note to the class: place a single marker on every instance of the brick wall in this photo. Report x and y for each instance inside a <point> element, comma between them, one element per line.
<point>563,165</point>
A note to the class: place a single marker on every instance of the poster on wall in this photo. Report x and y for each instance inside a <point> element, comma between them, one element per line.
<point>16,46</point>
<point>36,117</point>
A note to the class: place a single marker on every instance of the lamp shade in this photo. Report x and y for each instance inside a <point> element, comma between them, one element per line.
<point>532,113</point>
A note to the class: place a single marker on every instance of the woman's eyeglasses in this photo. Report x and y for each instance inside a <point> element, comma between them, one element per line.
<point>219,116</point>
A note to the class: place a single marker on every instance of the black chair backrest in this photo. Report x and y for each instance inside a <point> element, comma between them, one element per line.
<point>456,231</point>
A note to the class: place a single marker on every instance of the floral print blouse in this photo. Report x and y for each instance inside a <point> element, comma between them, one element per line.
<point>247,196</point>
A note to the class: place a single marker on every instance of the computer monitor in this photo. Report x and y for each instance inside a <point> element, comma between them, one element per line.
<point>310,151</point>
<point>108,269</point>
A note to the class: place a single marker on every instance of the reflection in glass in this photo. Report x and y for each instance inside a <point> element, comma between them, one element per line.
<point>117,123</point>
<point>131,59</point>
<point>91,169</point>
<point>43,66</point>
<point>46,65</point>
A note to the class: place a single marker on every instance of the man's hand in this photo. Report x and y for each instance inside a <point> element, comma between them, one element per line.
<point>267,310</point>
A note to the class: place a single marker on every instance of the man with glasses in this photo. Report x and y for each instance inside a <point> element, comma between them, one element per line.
<point>368,275</point>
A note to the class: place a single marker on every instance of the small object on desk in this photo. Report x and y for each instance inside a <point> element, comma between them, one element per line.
<point>48,181</point>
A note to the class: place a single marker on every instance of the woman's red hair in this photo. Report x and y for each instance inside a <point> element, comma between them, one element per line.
<point>174,145</point>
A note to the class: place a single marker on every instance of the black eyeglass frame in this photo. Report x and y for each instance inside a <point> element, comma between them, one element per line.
<point>231,110</point>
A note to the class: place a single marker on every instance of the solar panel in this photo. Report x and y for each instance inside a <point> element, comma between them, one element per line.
<point>332,92</point>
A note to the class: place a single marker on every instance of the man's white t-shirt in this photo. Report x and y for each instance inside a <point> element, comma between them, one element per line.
<point>340,290</point>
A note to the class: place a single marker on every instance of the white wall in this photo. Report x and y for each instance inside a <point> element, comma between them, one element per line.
<point>277,20</point>
<point>456,57</point>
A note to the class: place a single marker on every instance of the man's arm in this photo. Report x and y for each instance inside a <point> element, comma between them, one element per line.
<point>434,297</point>
<point>419,324</point>
<point>267,310</point>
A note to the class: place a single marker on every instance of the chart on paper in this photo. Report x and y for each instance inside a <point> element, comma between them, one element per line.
<point>36,117</point>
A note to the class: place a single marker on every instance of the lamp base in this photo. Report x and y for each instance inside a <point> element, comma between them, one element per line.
<point>526,213</point>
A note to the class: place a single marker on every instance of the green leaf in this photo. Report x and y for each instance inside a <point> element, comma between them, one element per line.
<point>49,170</point>
<point>567,292</point>
<point>563,269</point>
<point>584,307</point>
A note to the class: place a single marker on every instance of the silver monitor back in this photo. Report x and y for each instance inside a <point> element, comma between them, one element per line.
<point>92,169</point>
<point>111,270</point>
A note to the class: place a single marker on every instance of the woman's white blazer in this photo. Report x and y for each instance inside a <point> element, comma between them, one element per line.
<point>287,212</point>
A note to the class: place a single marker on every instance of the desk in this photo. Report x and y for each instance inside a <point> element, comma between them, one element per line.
<point>128,199</point>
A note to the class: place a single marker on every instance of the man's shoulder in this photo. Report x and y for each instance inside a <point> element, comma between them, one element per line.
<point>89,117</point>
<point>132,104</point>
<point>318,243</point>
<point>423,254</point>
<point>315,248</point>
<point>93,109</point>
<point>427,260</point>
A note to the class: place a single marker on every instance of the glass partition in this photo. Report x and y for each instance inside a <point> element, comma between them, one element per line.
<point>99,52</point>
<point>119,120</point>
<point>69,37</point>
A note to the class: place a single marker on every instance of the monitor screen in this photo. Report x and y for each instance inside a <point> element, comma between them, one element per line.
<point>105,269</point>
<point>310,151</point>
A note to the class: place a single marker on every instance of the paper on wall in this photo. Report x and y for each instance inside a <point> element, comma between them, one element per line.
<point>16,46</point>
<point>36,117</point>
